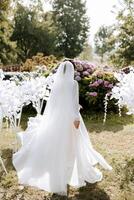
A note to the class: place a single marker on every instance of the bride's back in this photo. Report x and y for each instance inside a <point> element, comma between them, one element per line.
<point>62,93</point>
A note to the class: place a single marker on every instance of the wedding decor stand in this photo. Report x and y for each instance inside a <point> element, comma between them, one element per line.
<point>3,166</point>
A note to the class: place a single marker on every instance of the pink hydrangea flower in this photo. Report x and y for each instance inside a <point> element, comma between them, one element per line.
<point>100,81</point>
<point>76,73</point>
<point>109,93</point>
<point>85,73</point>
<point>95,84</point>
<point>85,66</point>
<point>89,70</point>
<point>94,94</point>
<point>110,85</point>
<point>77,78</point>
<point>106,83</point>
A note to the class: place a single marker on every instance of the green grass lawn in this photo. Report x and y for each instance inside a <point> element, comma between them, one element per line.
<point>114,139</point>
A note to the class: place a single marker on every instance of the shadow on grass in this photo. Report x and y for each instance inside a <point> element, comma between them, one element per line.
<point>28,111</point>
<point>114,123</point>
<point>88,192</point>
<point>91,192</point>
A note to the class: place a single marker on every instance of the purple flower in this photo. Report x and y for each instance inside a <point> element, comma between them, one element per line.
<point>100,81</point>
<point>91,66</point>
<point>86,66</point>
<point>109,93</point>
<point>106,83</point>
<point>95,84</point>
<point>89,70</point>
<point>110,85</point>
<point>85,73</point>
<point>77,78</point>
<point>93,94</point>
<point>77,73</point>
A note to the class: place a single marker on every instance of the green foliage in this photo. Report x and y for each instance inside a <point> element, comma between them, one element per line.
<point>32,34</point>
<point>87,53</point>
<point>4,5</point>
<point>9,180</point>
<point>47,62</point>
<point>104,41</point>
<point>93,90</point>
<point>123,55</point>
<point>72,26</point>
<point>128,173</point>
<point>7,47</point>
<point>94,84</point>
<point>118,43</point>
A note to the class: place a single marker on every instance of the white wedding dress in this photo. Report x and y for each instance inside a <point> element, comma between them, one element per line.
<point>54,153</point>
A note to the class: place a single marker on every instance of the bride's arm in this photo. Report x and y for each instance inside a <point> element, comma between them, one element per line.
<point>76,105</point>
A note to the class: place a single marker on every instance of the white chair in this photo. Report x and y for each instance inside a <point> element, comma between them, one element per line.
<point>3,166</point>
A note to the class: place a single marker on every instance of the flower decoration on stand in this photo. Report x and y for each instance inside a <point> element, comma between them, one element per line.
<point>123,91</point>
<point>21,90</point>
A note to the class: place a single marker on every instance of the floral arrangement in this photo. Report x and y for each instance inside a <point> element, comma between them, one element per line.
<point>21,90</point>
<point>83,69</point>
<point>123,91</point>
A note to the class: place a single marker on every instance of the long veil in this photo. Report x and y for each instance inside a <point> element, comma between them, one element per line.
<point>61,91</point>
<point>52,148</point>
<point>64,100</point>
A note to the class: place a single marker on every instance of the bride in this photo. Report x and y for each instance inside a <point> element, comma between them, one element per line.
<point>56,149</point>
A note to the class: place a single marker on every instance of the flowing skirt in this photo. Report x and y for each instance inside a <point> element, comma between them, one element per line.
<point>54,153</point>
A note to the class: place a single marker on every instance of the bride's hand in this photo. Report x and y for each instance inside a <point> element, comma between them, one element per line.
<point>76,124</point>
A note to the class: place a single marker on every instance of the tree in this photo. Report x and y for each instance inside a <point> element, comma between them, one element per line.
<point>32,34</point>
<point>104,41</point>
<point>118,42</point>
<point>124,53</point>
<point>72,26</point>
<point>7,47</point>
<point>4,5</point>
<point>87,53</point>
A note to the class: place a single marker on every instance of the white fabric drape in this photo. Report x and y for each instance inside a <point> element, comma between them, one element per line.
<point>54,153</point>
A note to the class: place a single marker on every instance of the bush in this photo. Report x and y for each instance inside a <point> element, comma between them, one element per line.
<point>40,61</point>
<point>127,174</point>
<point>94,83</point>
<point>36,62</point>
